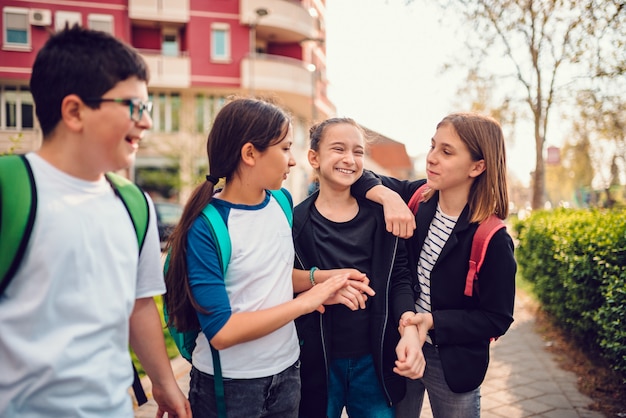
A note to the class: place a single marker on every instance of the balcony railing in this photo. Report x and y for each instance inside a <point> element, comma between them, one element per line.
<point>288,21</point>
<point>159,10</point>
<point>167,71</point>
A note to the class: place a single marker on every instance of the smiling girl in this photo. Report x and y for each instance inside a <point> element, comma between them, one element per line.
<point>348,356</point>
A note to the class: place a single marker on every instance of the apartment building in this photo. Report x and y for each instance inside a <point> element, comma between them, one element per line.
<point>200,52</point>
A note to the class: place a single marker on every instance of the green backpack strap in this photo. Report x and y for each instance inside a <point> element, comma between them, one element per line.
<point>136,205</point>
<point>135,202</point>
<point>18,205</point>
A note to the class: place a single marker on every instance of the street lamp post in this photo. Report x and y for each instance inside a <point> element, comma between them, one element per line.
<point>260,12</point>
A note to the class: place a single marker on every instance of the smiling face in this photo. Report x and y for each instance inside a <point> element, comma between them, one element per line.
<point>340,156</point>
<point>449,165</point>
<point>111,137</point>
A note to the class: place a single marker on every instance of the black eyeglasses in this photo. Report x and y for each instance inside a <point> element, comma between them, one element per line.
<point>136,106</point>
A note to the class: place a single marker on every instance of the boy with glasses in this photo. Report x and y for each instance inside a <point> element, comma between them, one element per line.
<point>84,290</point>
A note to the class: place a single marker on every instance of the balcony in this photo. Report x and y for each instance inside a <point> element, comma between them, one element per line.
<point>159,10</point>
<point>166,71</point>
<point>286,21</point>
<point>288,78</point>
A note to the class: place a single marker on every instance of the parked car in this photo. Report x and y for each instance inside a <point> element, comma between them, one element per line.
<point>168,214</point>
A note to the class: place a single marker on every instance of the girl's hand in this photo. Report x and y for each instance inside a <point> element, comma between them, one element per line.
<point>423,321</point>
<point>410,362</point>
<point>354,295</point>
<point>314,298</point>
<point>399,219</point>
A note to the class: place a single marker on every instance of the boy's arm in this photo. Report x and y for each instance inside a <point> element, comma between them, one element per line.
<point>146,340</point>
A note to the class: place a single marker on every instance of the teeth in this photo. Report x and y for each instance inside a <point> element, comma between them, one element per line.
<point>343,170</point>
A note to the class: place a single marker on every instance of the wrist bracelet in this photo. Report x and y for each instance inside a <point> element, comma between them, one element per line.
<point>311,278</point>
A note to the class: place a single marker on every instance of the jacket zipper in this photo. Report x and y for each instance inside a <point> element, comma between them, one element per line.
<point>382,337</point>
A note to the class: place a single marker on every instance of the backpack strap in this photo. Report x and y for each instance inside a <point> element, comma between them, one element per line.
<point>18,205</point>
<point>136,205</point>
<point>135,202</point>
<point>417,197</point>
<point>219,230</point>
<point>480,242</point>
<point>285,203</point>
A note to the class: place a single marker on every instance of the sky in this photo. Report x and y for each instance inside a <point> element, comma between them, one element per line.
<point>384,66</point>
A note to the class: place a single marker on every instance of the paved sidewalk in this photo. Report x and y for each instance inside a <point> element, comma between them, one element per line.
<point>523,380</point>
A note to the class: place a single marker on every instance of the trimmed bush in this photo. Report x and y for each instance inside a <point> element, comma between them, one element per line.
<point>576,260</point>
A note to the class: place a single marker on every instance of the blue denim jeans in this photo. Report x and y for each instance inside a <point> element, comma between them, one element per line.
<point>352,382</point>
<point>443,402</point>
<point>273,396</point>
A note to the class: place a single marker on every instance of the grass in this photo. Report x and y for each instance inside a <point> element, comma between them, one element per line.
<point>172,350</point>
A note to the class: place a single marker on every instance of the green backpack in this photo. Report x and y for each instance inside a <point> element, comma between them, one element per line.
<point>186,341</point>
<point>18,206</point>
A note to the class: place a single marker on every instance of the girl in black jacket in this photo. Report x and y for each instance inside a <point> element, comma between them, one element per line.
<point>352,358</point>
<point>466,170</point>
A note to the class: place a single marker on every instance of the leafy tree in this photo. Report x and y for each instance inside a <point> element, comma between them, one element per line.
<point>546,47</point>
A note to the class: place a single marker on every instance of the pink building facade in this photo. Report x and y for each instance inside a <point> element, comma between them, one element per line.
<point>200,53</point>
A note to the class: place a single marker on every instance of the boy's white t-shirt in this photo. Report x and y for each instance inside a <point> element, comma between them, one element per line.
<point>64,329</point>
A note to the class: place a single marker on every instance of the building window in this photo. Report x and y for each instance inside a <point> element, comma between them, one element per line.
<point>69,19</point>
<point>103,23</point>
<point>166,112</point>
<point>16,110</point>
<point>206,110</point>
<point>175,112</point>
<point>16,28</point>
<point>220,42</point>
<point>170,46</point>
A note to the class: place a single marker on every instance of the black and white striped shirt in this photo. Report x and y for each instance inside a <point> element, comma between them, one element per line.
<point>438,233</point>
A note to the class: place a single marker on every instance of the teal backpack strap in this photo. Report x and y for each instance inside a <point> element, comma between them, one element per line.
<point>135,202</point>
<point>285,203</point>
<point>18,205</point>
<point>219,230</point>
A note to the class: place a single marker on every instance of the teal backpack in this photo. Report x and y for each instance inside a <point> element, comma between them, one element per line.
<point>18,206</point>
<point>186,341</point>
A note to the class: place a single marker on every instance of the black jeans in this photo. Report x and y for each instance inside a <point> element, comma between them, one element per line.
<point>273,396</point>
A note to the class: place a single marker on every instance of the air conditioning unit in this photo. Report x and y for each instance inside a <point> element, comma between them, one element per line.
<point>40,17</point>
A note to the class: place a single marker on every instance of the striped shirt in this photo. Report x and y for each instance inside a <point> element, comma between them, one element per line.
<point>438,233</point>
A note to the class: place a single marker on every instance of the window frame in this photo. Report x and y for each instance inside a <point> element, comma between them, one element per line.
<point>100,18</point>
<point>224,28</point>
<point>19,103</point>
<point>63,16</point>
<point>14,46</point>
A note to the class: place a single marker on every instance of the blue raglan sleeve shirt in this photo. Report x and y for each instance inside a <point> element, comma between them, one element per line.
<point>205,277</point>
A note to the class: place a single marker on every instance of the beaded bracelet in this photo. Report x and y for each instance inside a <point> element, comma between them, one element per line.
<point>311,278</point>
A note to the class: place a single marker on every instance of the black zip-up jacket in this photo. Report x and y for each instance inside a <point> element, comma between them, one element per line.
<point>463,326</point>
<point>394,296</point>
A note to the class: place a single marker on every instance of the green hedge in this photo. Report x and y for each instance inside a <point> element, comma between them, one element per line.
<point>576,260</point>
